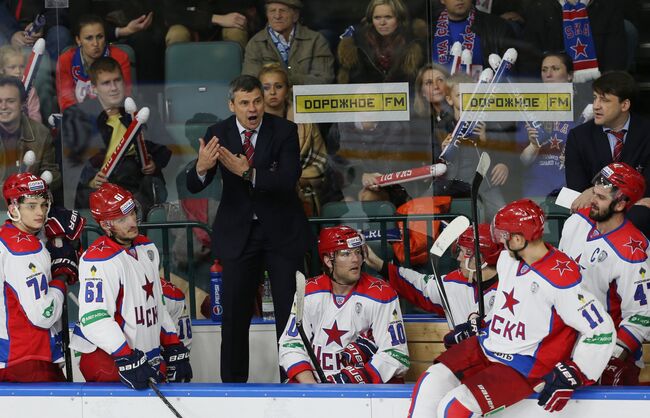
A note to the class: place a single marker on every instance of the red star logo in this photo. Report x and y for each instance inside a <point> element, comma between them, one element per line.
<point>20,237</point>
<point>562,266</point>
<point>334,334</point>
<point>98,247</point>
<point>579,49</point>
<point>510,301</point>
<point>555,142</point>
<point>312,280</point>
<point>378,284</point>
<point>634,245</point>
<point>577,260</point>
<point>148,288</point>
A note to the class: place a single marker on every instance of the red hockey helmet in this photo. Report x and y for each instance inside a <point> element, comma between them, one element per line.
<point>490,250</point>
<point>111,202</point>
<point>24,185</point>
<point>523,217</point>
<point>624,180</point>
<point>338,238</point>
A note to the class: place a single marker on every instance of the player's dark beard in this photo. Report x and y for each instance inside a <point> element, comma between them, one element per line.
<point>605,216</point>
<point>515,253</point>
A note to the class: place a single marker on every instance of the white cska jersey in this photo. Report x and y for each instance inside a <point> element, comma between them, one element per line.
<point>30,301</point>
<point>174,300</point>
<point>615,269</point>
<point>331,322</point>
<point>121,300</point>
<point>542,315</point>
<point>422,291</point>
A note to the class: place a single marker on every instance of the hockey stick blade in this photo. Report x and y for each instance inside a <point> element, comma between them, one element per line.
<point>154,387</point>
<point>448,235</point>
<point>300,309</point>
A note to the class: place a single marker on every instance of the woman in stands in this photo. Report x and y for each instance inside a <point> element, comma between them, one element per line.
<point>315,189</point>
<point>382,48</point>
<point>542,147</point>
<point>72,80</point>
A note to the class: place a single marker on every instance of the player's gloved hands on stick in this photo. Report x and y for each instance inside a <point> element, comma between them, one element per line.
<point>65,260</point>
<point>462,332</point>
<point>559,386</point>
<point>350,374</point>
<point>359,352</point>
<point>134,370</point>
<point>177,358</point>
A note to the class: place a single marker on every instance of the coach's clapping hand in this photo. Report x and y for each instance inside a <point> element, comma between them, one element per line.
<point>208,155</point>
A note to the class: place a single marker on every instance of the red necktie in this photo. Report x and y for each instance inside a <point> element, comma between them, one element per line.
<point>618,147</point>
<point>248,147</point>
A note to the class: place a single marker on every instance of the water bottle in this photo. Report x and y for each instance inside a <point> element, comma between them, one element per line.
<point>216,289</point>
<point>267,300</point>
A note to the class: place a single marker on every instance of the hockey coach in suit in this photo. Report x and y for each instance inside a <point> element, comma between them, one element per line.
<point>260,223</point>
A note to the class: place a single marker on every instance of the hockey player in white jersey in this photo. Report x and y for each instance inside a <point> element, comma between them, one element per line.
<point>545,329</point>
<point>123,326</point>
<point>612,254</point>
<point>460,286</point>
<point>353,320</point>
<point>31,301</point>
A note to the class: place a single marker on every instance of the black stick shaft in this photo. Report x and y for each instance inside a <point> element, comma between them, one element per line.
<point>65,336</point>
<point>154,387</point>
<point>477,247</point>
<point>311,354</point>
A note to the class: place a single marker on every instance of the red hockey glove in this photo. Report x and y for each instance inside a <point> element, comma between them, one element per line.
<point>621,370</point>
<point>559,386</point>
<point>359,352</point>
<point>63,222</point>
<point>350,374</point>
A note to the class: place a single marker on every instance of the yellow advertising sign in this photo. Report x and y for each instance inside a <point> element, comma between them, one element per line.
<point>362,102</point>
<point>504,102</point>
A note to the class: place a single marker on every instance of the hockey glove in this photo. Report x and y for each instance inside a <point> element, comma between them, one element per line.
<point>359,352</point>
<point>177,358</point>
<point>350,374</point>
<point>135,370</point>
<point>65,260</point>
<point>63,222</point>
<point>621,370</point>
<point>559,386</point>
<point>462,332</point>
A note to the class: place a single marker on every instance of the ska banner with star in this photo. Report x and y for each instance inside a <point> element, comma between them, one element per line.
<point>518,102</point>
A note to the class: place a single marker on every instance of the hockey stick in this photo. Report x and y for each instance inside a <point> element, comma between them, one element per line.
<point>412,174</point>
<point>481,171</point>
<point>65,337</point>
<point>154,387</point>
<point>300,309</point>
<point>447,237</point>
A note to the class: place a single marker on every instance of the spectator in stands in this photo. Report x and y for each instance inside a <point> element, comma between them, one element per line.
<point>96,126</point>
<point>72,81</point>
<point>462,158</point>
<point>543,147</point>
<point>56,29</point>
<point>382,48</point>
<point>305,53</point>
<point>12,63</point>
<point>207,21</point>
<point>479,32</point>
<point>430,107</point>
<point>19,133</point>
<point>314,187</point>
<point>616,134</point>
<point>598,45</point>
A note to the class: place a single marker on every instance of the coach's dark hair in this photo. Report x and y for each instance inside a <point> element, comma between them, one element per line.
<point>103,64</point>
<point>14,81</point>
<point>245,83</point>
<point>88,19</point>
<point>617,83</point>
